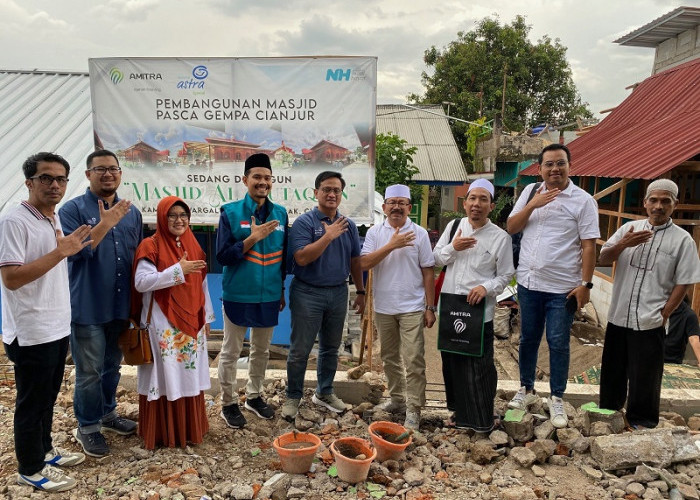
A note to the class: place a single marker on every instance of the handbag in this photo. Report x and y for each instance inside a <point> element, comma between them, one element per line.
<point>135,342</point>
<point>461,325</point>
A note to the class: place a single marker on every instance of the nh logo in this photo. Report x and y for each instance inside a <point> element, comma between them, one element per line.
<point>338,74</point>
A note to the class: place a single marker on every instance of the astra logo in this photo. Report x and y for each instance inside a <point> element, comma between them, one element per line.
<point>145,76</point>
<point>200,73</point>
<point>338,74</point>
<point>459,325</point>
<point>116,75</point>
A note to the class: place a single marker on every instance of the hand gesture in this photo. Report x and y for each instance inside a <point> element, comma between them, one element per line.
<point>541,199</point>
<point>74,242</point>
<point>400,240</point>
<point>337,228</point>
<point>262,231</point>
<point>113,215</point>
<point>476,295</point>
<point>191,266</point>
<point>460,243</point>
<point>633,238</point>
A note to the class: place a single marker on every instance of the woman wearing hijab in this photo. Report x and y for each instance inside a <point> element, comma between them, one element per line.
<point>170,275</point>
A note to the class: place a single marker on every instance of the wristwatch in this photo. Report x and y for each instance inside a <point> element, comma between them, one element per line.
<point>587,284</point>
<point>360,292</point>
<point>431,308</point>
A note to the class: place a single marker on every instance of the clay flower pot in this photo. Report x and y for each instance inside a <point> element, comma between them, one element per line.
<point>381,433</point>
<point>351,469</point>
<point>296,450</point>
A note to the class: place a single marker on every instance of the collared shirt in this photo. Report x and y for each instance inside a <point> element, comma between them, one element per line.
<point>333,266</point>
<point>38,312</point>
<point>100,279</point>
<point>398,279</point>
<point>489,263</point>
<point>550,249</point>
<point>646,274</point>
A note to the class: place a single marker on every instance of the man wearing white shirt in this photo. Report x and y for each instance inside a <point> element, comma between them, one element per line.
<point>656,263</point>
<point>559,225</point>
<point>404,288</point>
<point>480,266</point>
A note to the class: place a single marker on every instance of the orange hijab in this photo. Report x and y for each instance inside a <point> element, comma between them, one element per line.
<point>183,304</point>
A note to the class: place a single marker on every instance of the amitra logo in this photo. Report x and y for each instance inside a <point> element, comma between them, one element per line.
<point>338,74</point>
<point>145,76</point>
<point>116,75</point>
<point>200,73</point>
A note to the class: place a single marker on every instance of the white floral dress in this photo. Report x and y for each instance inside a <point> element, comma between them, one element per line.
<point>180,364</point>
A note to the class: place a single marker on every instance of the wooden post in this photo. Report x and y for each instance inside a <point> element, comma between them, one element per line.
<point>367,323</point>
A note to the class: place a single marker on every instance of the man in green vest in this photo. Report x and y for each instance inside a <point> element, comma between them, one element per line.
<point>252,246</point>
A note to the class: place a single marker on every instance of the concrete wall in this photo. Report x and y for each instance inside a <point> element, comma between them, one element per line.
<point>677,50</point>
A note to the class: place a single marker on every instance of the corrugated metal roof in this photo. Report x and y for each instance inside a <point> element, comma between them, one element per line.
<point>43,111</point>
<point>437,156</point>
<point>649,133</point>
<point>661,29</point>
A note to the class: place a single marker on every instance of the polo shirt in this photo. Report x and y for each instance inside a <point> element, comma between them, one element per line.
<point>38,312</point>
<point>550,249</point>
<point>333,266</point>
<point>646,274</point>
<point>398,280</point>
<point>100,279</point>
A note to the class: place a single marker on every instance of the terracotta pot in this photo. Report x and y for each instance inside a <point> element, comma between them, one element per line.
<point>387,450</point>
<point>296,450</point>
<point>352,470</point>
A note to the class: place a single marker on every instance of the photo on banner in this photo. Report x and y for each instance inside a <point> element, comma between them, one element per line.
<point>185,126</point>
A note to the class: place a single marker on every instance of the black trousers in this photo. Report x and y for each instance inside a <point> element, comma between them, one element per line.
<point>38,376</point>
<point>632,367</point>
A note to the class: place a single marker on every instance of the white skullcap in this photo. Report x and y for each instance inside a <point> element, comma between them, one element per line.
<point>397,191</point>
<point>663,185</point>
<point>484,184</point>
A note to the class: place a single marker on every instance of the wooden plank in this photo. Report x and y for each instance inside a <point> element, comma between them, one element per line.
<point>610,189</point>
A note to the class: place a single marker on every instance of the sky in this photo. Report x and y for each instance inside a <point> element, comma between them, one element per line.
<point>63,34</point>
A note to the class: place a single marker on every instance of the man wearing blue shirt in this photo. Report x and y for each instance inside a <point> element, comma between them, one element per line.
<point>100,286</point>
<point>251,245</point>
<point>325,249</point>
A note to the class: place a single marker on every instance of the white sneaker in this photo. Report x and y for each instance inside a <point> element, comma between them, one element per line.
<point>557,415</point>
<point>391,406</point>
<point>330,401</point>
<point>523,399</point>
<point>63,458</point>
<point>48,479</point>
<point>412,421</point>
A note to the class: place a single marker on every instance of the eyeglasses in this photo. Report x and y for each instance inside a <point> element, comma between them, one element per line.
<point>328,190</point>
<point>47,180</point>
<point>174,217</point>
<point>104,170</point>
<point>401,204</point>
<point>560,164</point>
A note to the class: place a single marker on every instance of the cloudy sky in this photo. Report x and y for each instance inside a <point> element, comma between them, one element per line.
<point>63,34</point>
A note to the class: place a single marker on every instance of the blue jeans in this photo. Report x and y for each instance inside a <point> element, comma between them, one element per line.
<point>96,353</point>
<point>315,311</point>
<point>538,309</point>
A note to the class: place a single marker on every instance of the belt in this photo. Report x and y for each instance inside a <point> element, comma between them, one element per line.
<point>344,283</point>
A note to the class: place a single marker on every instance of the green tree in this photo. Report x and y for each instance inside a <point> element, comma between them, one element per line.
<point>394,164</point>
<point>470,72</point>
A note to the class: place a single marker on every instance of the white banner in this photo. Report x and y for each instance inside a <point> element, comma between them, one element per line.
<point>184,127</point>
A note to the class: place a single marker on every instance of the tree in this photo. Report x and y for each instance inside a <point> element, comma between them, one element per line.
<point>472,71</point>
<point>394,164</point>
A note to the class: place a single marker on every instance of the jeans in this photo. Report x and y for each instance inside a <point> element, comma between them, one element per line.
<point>38,375</point>
<point>96,353</point>
<point>315,311</point>
<point>537,310</point>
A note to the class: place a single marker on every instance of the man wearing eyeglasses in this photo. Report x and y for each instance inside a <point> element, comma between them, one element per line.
<point>100,283</point>
<point>251,244</point>
<point>656,263</point>
<point>399,251</point>
<point>36,317</point>
<point>559,225</point>
<point>324,248</point>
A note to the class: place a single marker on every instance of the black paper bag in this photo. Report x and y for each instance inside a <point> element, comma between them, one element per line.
<point>461,326</point>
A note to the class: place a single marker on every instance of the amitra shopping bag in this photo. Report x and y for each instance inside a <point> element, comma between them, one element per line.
<point>461,326</point>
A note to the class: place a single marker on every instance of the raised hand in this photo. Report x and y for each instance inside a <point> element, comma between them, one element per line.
<point>337,228</point>
<point>113,215</point>
<point>261,231</point>
<point>460,243</point>
<point>541,199</point>
<point>191,266</point>
<point>400,240</point>
<point>74,242</point>
<point>633,238</point>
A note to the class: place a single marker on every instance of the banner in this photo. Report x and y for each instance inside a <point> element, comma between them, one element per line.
<point>184,127</point>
